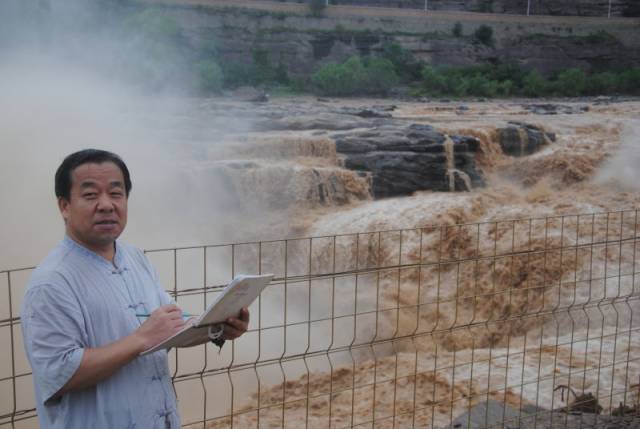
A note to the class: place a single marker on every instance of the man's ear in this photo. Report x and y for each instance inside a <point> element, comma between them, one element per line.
<point>63,206</point>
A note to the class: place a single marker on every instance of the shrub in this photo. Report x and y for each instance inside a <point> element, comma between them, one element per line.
<point>629,81</point>
<point>210,76</point>
<point>155,24</point>
<point>260,72</point>
<point>507,80</point>
<point>506,88</point>
<point>571,82</point>
<point>406,65</point>
<point>335,79</point>
<point>534,85</point>
<point>599,37</point>
<point>482,86</point>
<point>457,30</point>
<point>433,81</point>
<point>354,76</point>
<point>154,56</point>
<point>603,83</point>
<point>503,72</point>
<point>458,85</point>
<point>380,76</point>
<point>484,35</point>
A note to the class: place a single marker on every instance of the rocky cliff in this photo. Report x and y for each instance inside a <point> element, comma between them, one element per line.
<point>301,43</point>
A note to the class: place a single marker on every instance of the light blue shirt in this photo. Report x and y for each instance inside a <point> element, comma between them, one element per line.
<point>76,300</point>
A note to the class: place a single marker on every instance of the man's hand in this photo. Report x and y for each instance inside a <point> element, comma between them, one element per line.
<point>236,326</point>
<point>102,362</point>
<point>164,322</point>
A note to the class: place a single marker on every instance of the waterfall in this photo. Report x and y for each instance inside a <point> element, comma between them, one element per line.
<point>524,139</point>
<point>451,170</point>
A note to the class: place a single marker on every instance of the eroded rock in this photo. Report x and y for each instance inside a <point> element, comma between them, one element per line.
<point>403,160</point>
<point>520,139</point>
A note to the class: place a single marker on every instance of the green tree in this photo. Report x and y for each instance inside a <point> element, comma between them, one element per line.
<point>571,82</point>
<point>336,79</point>
<point>534,85</point>
<point>433,81</point>
<point>210,76</point>
<point>484,35</point>
<point>153,23</point>
<point>457,30</point>
<point>406,65</point>
<point>154,56</point>
<point>355,76</point>
<point>603,83</point>
<point>380,76</point>
<point>629,81</point>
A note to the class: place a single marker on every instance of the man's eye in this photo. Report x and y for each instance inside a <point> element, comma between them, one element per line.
<point>89,195</point>
<point>117,194</point>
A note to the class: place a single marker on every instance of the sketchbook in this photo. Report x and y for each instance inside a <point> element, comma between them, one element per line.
<point>241,292</point>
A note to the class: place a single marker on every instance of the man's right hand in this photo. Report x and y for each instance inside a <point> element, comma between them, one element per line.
<point>102,362</point>
<point>164,322</point>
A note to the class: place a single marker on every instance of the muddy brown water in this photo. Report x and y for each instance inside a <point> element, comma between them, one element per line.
<point>590,169</point>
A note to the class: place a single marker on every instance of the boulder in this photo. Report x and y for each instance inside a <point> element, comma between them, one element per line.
<point>364,112</point>
<point>403,160</point>
<point>554,109</point>
<point>520,139</point>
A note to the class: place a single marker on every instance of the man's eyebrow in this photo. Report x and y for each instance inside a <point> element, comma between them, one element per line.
<point>87,184</point>
<point>91,184</point>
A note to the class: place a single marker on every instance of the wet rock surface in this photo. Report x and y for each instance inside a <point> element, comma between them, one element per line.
<point>368,112</point>
<point>493,413</point>
<point>520,139</point>
<point>403,160</point>
<point>554,109</point>
<point>320,121</point>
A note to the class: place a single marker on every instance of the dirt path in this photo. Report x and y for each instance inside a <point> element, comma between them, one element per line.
<point>343,11</point>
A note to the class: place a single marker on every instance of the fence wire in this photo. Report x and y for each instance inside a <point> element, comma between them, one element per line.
<point>412,328</point>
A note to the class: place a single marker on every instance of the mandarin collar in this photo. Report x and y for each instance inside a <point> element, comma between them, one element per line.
<point>118,258</point>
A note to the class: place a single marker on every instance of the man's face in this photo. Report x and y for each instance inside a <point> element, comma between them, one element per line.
<point>96,212</point>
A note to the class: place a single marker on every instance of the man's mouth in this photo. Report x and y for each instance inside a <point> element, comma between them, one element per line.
<point>107,222</point>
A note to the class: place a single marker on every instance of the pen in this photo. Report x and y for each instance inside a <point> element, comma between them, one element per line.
<point>148,315</point>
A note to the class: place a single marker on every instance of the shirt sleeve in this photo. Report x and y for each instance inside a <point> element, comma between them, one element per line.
<point>55,336</point>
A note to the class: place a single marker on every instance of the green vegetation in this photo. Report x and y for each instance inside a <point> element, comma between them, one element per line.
<point>599,37</point>
<point>260,72</point>
<point>407,67</point>
<point>509,80</point>
<point>159,39</point>
<point>484,35</point>
<point>596,38</point>
<point>210,76</point>
<point>356,76</point>
<point>168,58</point>
<point>457,30</point>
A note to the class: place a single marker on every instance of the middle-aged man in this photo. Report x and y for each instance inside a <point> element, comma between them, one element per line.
<point>80,322</point>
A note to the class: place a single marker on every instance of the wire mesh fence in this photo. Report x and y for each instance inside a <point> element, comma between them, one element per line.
<point>401,328</point>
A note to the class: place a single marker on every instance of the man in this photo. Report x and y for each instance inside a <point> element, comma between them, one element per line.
<point>81,331</point>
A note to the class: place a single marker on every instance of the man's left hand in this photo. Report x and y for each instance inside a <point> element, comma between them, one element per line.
<point>236,326</point>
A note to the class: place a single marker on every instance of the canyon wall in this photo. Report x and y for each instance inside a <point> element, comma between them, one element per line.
<point>300,43</point>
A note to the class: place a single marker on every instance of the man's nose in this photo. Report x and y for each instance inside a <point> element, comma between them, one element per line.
<point>105,203</point>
